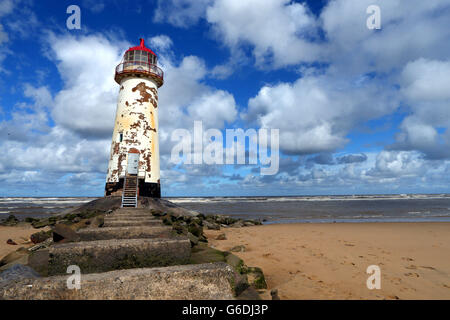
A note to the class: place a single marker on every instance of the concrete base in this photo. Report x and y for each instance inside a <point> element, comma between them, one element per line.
<point>152,190</point>
<point>189,282</point>
<point>108,255</point>
<point>125,233</point>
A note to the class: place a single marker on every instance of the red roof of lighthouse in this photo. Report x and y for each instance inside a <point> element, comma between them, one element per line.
<point>141,46</point>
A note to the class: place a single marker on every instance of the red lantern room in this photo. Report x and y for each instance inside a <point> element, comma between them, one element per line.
<point>140,61</point>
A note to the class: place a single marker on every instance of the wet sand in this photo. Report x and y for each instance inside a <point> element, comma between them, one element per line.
<point>329,261</point>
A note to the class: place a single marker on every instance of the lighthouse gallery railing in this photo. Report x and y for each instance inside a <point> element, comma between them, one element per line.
<point>139,66</point>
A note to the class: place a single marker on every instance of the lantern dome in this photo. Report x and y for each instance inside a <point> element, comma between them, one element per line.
<point>141,47</point>
<point>140,61</point>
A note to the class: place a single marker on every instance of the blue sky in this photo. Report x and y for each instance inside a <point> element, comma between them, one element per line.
<point>358,110</point>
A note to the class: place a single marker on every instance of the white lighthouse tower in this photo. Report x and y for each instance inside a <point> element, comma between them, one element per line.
<point>133,168</point>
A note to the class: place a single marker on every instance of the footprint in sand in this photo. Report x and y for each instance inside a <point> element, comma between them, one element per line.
<point>412,274</point>
<point>411,267</point>
<point>407,259</point>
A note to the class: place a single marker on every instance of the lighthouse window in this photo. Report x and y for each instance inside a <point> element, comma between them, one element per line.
<point>120,137</point>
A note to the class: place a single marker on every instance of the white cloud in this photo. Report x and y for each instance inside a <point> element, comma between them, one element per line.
<point>88,101</point>
<point>161,43</point>
<point>184,98</point>
<point>315,113</point>
<point>410,30</point>
<point>426,89</point>
<point>180,13</point>
<point>425,79</point>
<point>277,30</point>
<point>6,7</point>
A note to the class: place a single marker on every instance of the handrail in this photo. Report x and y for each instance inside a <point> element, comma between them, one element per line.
<point>130,66</point>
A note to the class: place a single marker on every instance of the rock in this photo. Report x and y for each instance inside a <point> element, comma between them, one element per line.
<point>40,236</point>
<point>256,278</point>
<point>76,219</point>
<point>41,223</point>
<point>16,273</point>
<point>240,283</point>
<point>195,229</point>
<point>13,256</point>
<point>193,239</point>
<point>22,260</point>
<point>63,232</point>
<point>235,262</point>
<point>201,253</point>
<point>41,245</point>
<point>11,242</point>
<point>249,294</point>
<point>202,238</point>
<point>274,294</point>
<point>239,248</point>
<point>30,220</point>
<point>180,229</point>
<point>211,225</point>
<point>248,224</point>
<point>10,221</point>
<point>221,236</point>
<point>238,224</point>
<point>98,221</point>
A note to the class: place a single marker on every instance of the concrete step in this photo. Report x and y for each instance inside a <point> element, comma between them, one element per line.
<point>113,217</point>
<point>131,223</point>
<point>131,215</point>
<point>136,210</point>
<point>140,232</point>
<point>109,255</point>
<point>188,282</point>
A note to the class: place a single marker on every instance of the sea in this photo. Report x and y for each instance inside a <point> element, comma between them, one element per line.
<point>298,209</point>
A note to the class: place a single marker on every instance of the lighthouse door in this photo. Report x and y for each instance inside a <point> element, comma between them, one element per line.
<point>133,163</point>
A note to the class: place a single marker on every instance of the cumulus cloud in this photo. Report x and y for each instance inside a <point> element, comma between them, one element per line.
<point>88,100</point>
<point>425,79</point>
<point>409,31</point>
<point>185,98</point>
<point>180,13</point>
<point>425,86</point>
<point>279,31</point>
<point>315,113</point>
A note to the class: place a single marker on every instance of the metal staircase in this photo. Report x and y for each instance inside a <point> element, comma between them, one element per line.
<point>130,190</point>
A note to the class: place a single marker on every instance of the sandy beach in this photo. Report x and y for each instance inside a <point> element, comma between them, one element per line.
<point>329,261</point>
<point>19,234</point>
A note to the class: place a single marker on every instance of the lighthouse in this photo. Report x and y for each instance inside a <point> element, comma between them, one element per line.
<point>133,168</point>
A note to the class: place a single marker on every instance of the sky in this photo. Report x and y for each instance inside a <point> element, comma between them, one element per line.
<point>359,110</point>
